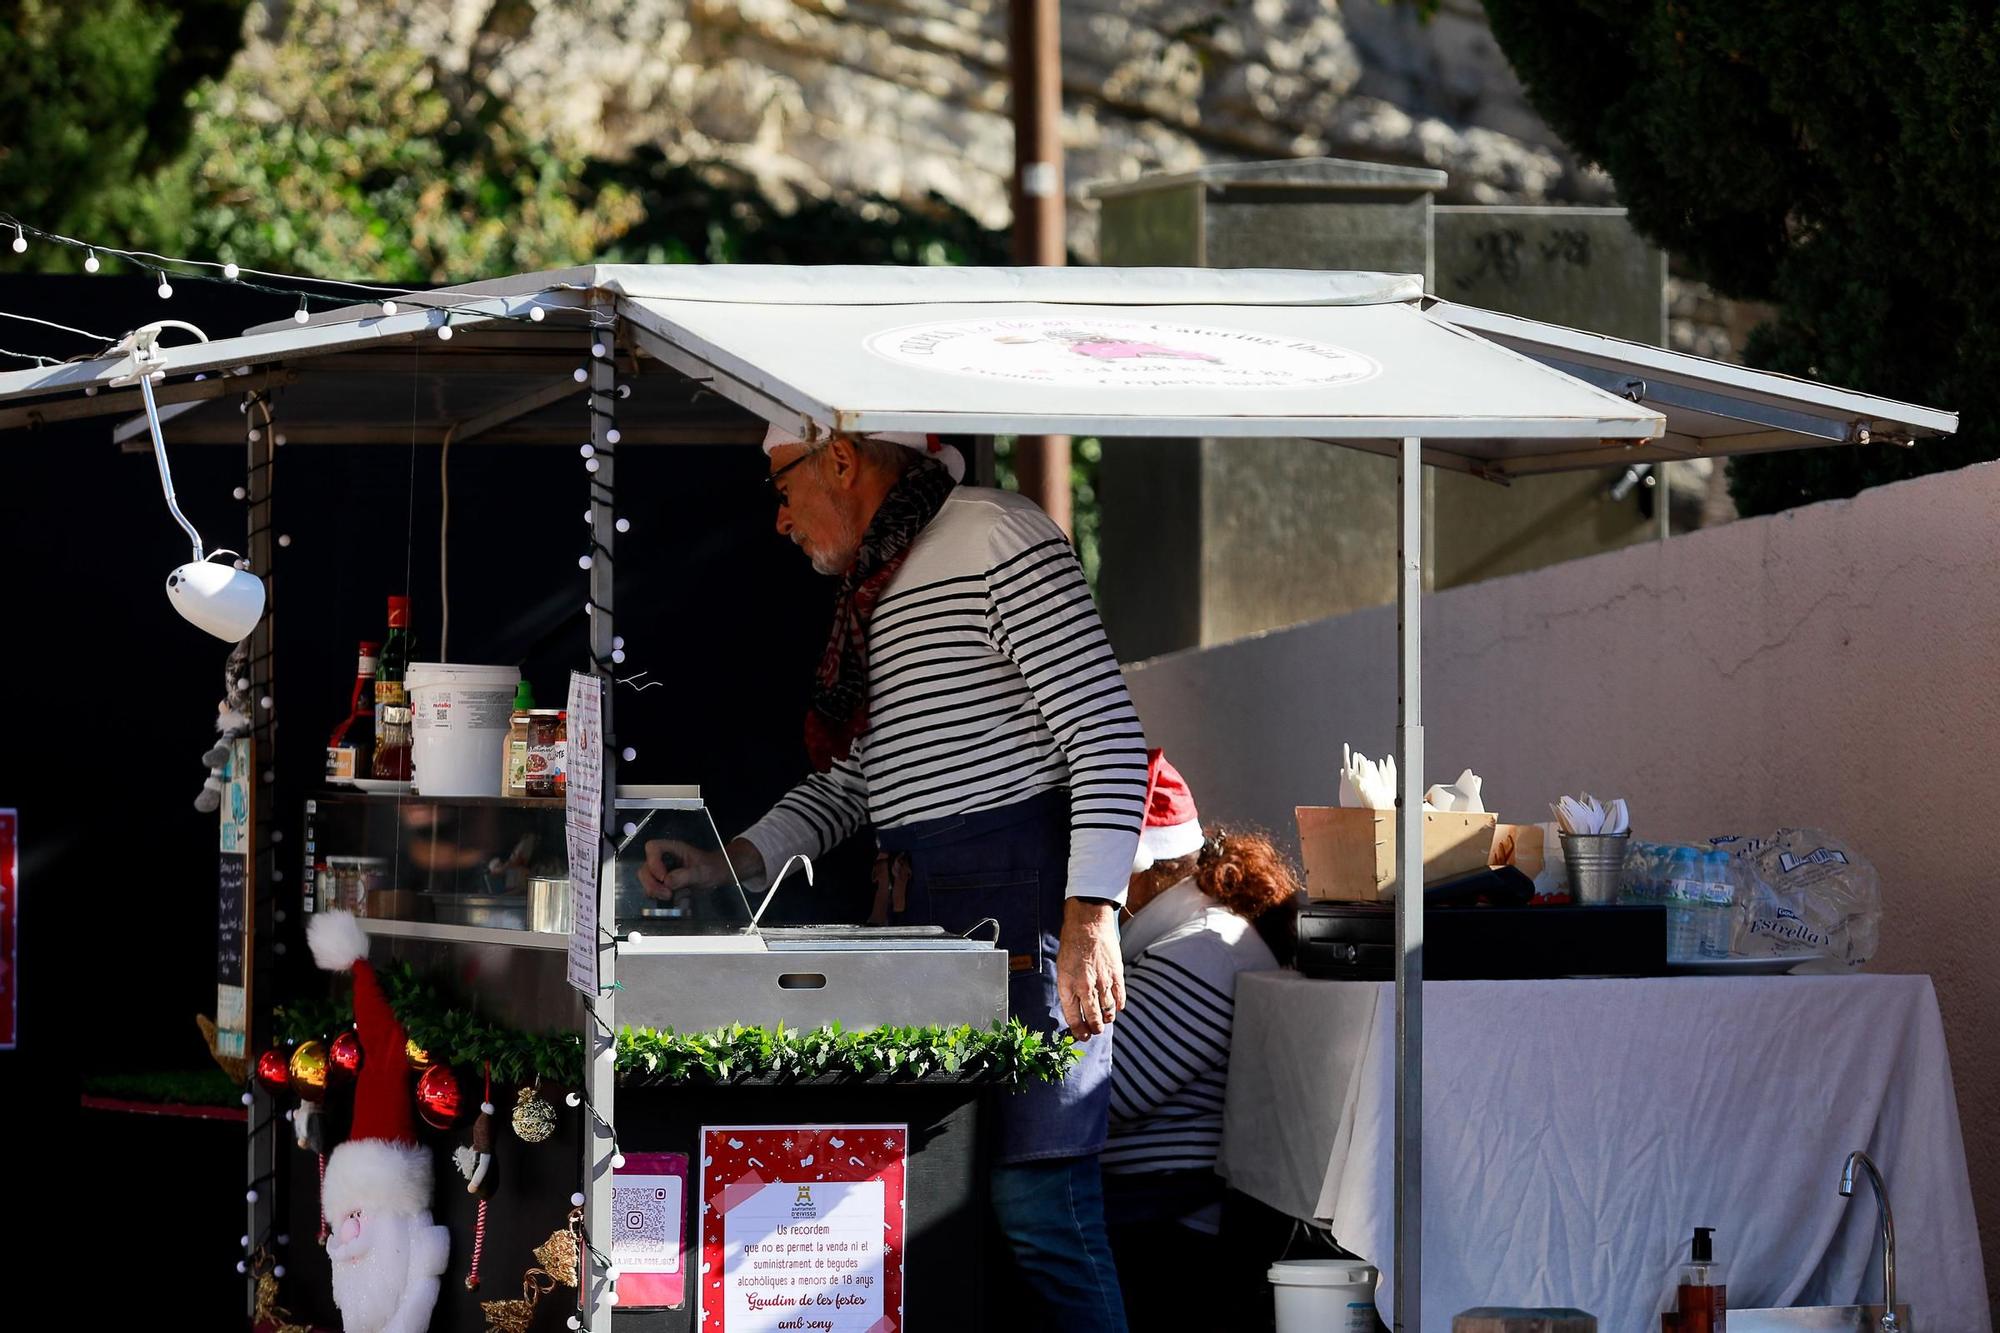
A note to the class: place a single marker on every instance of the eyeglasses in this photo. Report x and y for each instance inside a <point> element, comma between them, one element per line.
<point>771,481</point>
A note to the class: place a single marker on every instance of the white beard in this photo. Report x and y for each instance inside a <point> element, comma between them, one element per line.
<point>385,1277</point>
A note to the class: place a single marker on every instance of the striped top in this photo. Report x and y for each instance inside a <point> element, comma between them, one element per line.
<point>1182,953</point>
<point>990,680</point>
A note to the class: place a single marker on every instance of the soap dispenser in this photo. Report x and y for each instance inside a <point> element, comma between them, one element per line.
<point>1704,1293</point>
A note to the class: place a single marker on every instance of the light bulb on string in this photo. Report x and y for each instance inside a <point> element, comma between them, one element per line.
<point>589,518</point>
<point>277,1270</point>
<point>166,289</point>
<point>623,525</point>
<point>388,308</point>
<point>612,436</point>
<point>587,450</point>
<point>618,641</point>
<point>535,314</point>
<point>597,349</point>
<point>628,754</point>
<point>583,562</point>
<point>590,465</point>
<point>574,1099</point>
<point>576,1200</point>
<point>242,1267</point>
<point>624,391</point>
<point>231,272</point>
<point>239,493</point>
<point>20,241</point>
<point>581,375</point>
<point>444,330</point>
<point>618,657</point>
<point>245,1242</point>
<point>301,315</point>
<point>90,261</point>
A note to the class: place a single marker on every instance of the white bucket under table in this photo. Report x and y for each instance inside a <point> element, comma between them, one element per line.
<point>1324,1296</point>
<point>458,727</point>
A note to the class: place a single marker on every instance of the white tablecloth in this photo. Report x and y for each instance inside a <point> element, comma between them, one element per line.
<point>1575,1132</point>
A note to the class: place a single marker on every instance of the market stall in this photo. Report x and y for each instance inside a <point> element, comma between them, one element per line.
<point>605,357</point>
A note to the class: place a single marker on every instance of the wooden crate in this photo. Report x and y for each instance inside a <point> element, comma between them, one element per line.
<point>1350,855</point>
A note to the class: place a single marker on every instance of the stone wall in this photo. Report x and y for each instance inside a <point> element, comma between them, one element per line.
<point>908,97</point>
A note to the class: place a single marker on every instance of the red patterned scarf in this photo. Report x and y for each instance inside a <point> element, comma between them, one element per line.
<point>839,711</point>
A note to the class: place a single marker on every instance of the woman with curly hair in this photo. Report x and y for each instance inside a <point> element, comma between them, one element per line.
<point>1190,913</point>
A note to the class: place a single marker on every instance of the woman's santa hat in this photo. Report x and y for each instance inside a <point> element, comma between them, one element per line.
<point>381,1168</point>
<point>1172,828</point>
<point>930,446</point>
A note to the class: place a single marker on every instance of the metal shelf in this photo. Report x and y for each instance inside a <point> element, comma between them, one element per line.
<point>431,930</point>
<point>646,798</point>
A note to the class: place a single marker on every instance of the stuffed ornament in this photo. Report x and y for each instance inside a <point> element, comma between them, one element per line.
<point>387,1254</point>
<point>232,719</point>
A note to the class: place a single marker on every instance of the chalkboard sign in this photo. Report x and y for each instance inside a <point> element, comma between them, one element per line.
<point>231,882</point>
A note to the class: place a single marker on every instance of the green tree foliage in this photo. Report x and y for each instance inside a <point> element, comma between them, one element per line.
<point>1840,161</point>
<point>96,94</point>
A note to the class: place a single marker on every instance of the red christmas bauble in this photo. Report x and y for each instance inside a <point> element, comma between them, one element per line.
<point>437,1097</point>
<point>346,1053</point>
<point>274,1071</point>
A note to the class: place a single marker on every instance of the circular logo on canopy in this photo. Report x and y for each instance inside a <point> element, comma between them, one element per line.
<point>1120,354</point>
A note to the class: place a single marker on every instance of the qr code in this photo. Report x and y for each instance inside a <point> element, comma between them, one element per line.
<point>647,1213</point>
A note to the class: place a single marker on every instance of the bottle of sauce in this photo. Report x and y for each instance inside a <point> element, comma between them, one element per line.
<point>351,751</point>
<point>1704,1293</point>
<point>392,664</point>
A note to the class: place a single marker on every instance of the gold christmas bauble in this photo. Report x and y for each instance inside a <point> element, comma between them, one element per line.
<point>534,1119</point>
<point>308,1070</point>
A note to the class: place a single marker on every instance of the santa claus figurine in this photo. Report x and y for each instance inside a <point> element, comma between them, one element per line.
<point>387,1254</point>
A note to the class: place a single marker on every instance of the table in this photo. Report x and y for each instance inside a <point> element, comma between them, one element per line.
<point>1575,1132</point>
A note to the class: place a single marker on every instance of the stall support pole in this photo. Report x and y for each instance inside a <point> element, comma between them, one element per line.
<point>259,548</point>
<point>601,1076</point>
<point>1409,887</point>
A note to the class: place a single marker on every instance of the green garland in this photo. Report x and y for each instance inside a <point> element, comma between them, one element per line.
<point>1008,1053</point>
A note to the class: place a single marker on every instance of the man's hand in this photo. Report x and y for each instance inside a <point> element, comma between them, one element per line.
<point>673,866</point>
<point>1090,974</point>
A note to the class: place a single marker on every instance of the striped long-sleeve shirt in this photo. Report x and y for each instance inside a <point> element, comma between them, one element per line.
<point>990,680</point>
<point>1182,954</point>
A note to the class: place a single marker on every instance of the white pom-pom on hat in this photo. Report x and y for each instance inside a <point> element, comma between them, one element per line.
<point>337,940</point>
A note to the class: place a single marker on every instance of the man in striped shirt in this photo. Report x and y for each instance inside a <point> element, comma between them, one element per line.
<point>970,709</point>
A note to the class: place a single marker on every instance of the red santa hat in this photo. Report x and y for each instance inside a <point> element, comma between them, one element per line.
<point>1172,828</point>
<point>380,1168</point>
<point>928,445</point>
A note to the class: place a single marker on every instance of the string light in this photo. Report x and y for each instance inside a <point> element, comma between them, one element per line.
<point>90,262</point>
<point>583,562</point>
<point>624,391</point>
<point>587,450</point>
<point>535,313</point>
<point>597,349</point>
<point>623,525</point>
<point>301,315</point>
<point>576,1200</point>
<point>628,754</point>
<point>581,375</point>
<point>388,307</point>
<point>231,272</point>
<point>240,493</point>
<point>20,241</point>
<point>590,465</point>
<point>612,436</point>
<point>166,288</point>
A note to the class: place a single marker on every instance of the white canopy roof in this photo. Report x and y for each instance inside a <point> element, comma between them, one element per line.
<point>1360,358</point>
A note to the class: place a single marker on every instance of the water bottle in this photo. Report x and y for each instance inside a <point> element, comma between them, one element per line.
<point>1686,904</point>
<point>1718,910</point>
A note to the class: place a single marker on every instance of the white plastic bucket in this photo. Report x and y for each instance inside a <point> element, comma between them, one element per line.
<point>458,726</point>
<point>1324,1296</point>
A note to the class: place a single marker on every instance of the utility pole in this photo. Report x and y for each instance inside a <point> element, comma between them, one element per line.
<point>1034,70</point>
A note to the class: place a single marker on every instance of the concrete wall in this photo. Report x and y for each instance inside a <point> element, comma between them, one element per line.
<point>1832,666</point>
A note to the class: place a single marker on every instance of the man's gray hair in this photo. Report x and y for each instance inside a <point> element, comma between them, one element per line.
<point>885,454</point>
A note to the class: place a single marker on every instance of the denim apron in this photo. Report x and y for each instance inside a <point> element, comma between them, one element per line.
<point>1011,865</point>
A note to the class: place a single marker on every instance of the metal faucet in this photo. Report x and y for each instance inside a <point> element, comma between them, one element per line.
<point>1888,1324</point>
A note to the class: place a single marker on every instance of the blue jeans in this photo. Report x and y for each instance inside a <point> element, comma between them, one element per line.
<point>1051,1214</point>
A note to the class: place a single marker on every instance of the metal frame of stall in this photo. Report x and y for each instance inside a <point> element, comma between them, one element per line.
<point>1693,408</point>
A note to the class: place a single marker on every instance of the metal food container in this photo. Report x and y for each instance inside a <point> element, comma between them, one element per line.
<point>548,905</point>
<point>497,911</point>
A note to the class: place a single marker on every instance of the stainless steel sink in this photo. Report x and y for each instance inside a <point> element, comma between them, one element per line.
<point>1817,1319</point>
